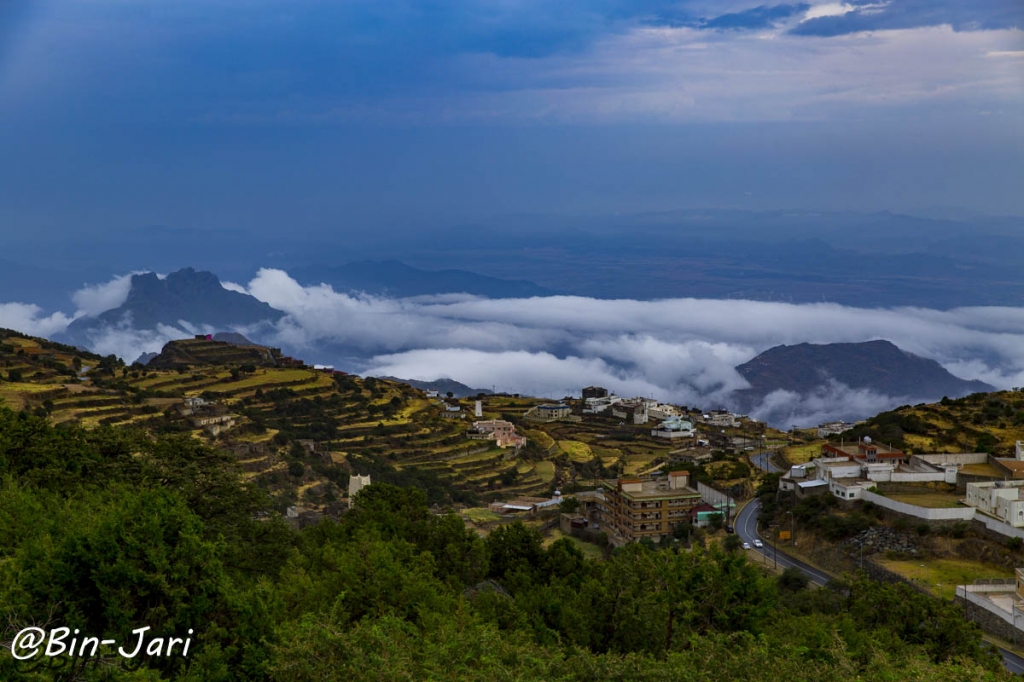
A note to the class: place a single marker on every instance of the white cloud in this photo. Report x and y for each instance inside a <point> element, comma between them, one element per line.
<point>829,9</point>
<point>94,299</point>
<point>27,318</point>
<point>684,350</point>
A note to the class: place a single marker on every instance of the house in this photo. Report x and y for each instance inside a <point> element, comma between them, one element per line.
<point>524,505</point>
<point>661,412</point>
<point>672,428</point>
<point>1001,499</point>
<point>548,412</point>
<point>997,605</point>
<point>599,405</point>
<point>449,411</point>
<point>849,488</point>
<point>721,418</point>
<point>502,432</point>
<point>636,508</point>
<point>700,515</point>
<point>594,392</point>
<point>815,486</point>
<point>632,411</point>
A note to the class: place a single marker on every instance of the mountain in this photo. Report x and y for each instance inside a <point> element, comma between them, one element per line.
<point>200,351</point>
<point>183,296</point>
<point>443,387</point>
<point>394,278</point>
<point>878,366</point>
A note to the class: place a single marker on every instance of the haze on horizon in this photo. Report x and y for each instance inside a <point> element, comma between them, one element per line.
<point>308,118</point>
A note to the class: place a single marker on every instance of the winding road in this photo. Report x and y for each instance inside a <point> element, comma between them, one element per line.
<point>746,528</point>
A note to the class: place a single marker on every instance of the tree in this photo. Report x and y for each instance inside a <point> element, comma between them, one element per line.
<point>792,580</point>
<point>14,375</point>
<point>732,543</point>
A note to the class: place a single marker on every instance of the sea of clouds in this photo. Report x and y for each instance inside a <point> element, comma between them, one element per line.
<point>679,350</point>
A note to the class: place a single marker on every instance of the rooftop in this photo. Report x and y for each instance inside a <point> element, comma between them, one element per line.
<point>650,489</point>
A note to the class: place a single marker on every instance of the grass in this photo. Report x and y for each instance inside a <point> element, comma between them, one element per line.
<point>801,454</point>
<point>932,500</point>
<point>25,387</point>
<point>577,451</point>
<point>589,549</point>
<point>481,515</point>
<point>941,576</point>
<point>545,470</point>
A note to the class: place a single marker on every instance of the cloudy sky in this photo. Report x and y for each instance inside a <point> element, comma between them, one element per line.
<point>680,350</point>
<point>309,115</point>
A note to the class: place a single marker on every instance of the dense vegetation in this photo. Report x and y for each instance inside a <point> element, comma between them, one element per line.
<point>109,530</point>
<point>982,422</point>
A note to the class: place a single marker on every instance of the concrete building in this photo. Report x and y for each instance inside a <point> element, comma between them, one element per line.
<point>449,411</point>
<point>599,405</point>
<point>594,392</point>
<point>502,432</point>
<point>357,483</point>
<point>814,486</point>
<point>1001,499</point>
<point>636,508</point>
<point>673,428</point>
<point>721,418</point>
<point>548,412</point>
<point>661,412</point>
<point>833,428</point>
<point>631,411</point>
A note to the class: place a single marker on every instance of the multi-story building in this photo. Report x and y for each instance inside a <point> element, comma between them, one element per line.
<point>636,508</point>
<point>502,432</point>
<point>595,392</point>
<point>548,412</point>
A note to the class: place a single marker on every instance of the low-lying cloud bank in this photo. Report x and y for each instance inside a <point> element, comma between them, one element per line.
<point>683,350</point>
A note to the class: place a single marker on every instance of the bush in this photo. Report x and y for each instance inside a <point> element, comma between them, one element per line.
<point>296,469</point>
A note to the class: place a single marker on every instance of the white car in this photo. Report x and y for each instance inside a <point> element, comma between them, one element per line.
<point>758,544</point>
<point>746,545</point>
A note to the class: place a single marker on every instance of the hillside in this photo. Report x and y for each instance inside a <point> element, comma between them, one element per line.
<point>878,366</point>
<point>990,422</point>
<point>188,352</point>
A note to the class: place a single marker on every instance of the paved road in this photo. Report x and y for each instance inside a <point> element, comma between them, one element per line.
<point>763,463</point>
<point>746,528</point>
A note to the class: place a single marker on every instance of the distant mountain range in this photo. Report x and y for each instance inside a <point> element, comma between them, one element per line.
<point>394,278</point>
<point>186,296</point>
<point>443,387</point>
<point>878,366</point>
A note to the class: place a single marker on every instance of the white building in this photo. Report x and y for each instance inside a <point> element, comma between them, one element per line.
<point>833,428</point>
<point>721,418</point>
<point>634,411</point>
<point>672,428</point>
<point>357,483</point>
<point>1001,499</point>
<point>662,412</point>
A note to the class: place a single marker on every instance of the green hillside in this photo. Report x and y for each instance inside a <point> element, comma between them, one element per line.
<point>983,422</point>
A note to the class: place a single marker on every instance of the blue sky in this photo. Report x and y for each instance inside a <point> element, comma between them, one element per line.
<point>315,115</point>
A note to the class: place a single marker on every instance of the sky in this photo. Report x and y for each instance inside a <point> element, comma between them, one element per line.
<point>309,116</point>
